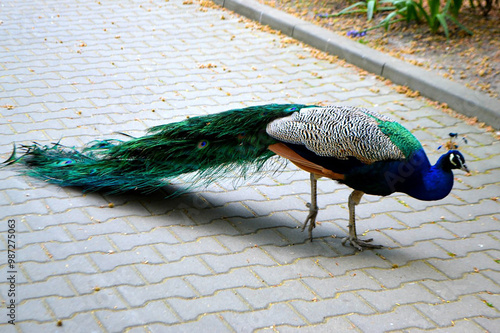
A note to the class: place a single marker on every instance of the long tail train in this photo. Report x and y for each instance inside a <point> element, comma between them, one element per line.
<point>208,145</point>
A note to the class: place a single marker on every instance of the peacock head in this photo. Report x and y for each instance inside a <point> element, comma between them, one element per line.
<point>454,159</point>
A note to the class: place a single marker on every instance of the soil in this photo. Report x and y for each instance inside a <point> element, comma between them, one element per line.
<point>473,60</point>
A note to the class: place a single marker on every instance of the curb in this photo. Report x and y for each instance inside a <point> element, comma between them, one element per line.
<point>458,97</point>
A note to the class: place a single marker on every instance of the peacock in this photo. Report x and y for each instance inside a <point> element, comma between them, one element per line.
<point>367,151</point>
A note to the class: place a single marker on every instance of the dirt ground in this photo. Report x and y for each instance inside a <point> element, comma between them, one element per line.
<point>471,60</point>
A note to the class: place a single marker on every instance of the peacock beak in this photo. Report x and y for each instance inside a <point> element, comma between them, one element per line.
<point>465,168</point>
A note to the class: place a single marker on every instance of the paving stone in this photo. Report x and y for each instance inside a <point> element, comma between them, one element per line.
<point>39,222</point>
<point>55,286</point>
<point>318,310</point>
<point>75,264</point>
<point>467,307</point>
<point>107,261</point>
<point>263,297</point>
<point>187,266</point>
<point>59,251</point>
<point>402,318</point>
<point>249,257</point>
<point>302,268</point>
<point>478,242</point>
<point>33,310</point>
<point>333,286</point>
<point>331,324</point>
<point>388,299</point>
<point>418,251</point>
<point>413,272</point>
<point>425,232</point>
<point>292,252</point>
<point>239,277</point>
<point>490,324</point>
<point>87,283</point>
<point>126,242</point>
<point>87,231</point>
<point>73,324</point>
<point>457,325</point>
<point>65,307</point>
<point>154,311</point>
<point>451,290</point>
<point>169,288</point>
<point>261,237</point>
<point>346,263</point>
<point>214,322</point>
<point>190,309</point>
<point>457,267</point>
<point>276,314</point>
<point>204,245</point>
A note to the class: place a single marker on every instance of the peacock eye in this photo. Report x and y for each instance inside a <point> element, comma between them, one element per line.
<point>293,109</point>
<point>202,144</point>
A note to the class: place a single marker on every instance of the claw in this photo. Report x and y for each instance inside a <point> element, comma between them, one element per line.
<point>360,244</point>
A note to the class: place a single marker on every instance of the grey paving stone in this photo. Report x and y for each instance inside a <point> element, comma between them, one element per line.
<point>239,277</point>
<point>288,254</point>
<point>425,232</point>
<point>153,312</point>
<point>277,274</point>
<point>464,325</point>
<point>73,324</point>
<point>413,272</point>
<point>331,324</point>
<point>87,231</point>
<point>214,322</point>
<point>259,238</point>
<point>402,318</point>
<point>107,261</point>
<point>333,286</point>
<point>276,314</point>
<point>86,283</point>
<point>126,242</point>
<point>478,242</point>
<point>318,310</point>
<point>457,267</point>
<point>490,324</point>
<point>388,300</point>
<point>169,288</point>
<point>75,264</point>
<point>55,286</point>
<point>343,264</point>
<point>225,300</point>
<point>33,310</point>
<point>452,290</point>
<point>65,307</point>
<point>187,266</point>
<point>467,307</point>
<point>250,257</point>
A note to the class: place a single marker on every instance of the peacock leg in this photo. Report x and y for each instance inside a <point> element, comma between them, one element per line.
<point>359,244</point>
<point>313,207</point>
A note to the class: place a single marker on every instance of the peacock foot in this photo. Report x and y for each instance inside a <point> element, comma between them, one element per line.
<point>360,244</point>
<point>310,219</point>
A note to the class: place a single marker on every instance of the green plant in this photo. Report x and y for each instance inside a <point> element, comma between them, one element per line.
<point>434,15</point>
<point>369,7</point>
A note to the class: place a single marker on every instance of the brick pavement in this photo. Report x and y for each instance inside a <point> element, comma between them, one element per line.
<point>223,258</point>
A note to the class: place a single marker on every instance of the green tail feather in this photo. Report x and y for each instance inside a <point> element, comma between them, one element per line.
<point>207,145</point>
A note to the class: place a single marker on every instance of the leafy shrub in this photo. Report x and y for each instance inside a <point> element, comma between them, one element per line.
<point>434,15</point>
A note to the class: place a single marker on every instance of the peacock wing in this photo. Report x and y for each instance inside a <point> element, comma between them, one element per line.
<point>343,132</point>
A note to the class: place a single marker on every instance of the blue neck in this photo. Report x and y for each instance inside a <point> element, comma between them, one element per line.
<point>427,182</point>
